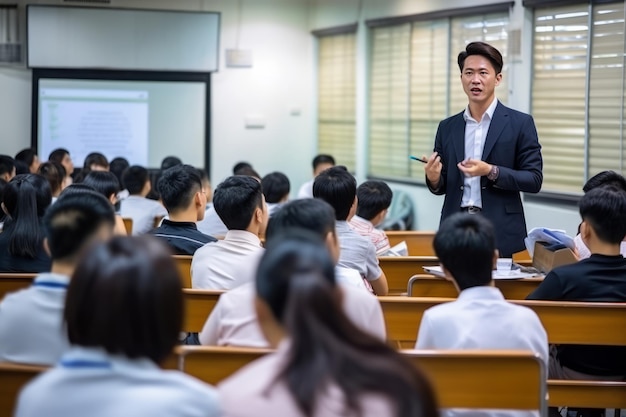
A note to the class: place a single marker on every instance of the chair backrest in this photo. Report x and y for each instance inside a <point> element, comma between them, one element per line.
<point>13,377</point>
<point>10,282</point>
<point>128,225</point>
<point>183,262</point>
<point>565,322</point>
<point>484,378</point>
<point>198,306</point>
<point>398,270</point>
<point>432,286</point>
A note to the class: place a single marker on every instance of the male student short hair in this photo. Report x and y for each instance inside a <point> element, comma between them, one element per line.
<point>604,209</point>
<point>311,214</point>
<point>105,182</point>
<point>73,220</point>
<point>7,164</point>
<point>134,179</point>
<point>465,245</point>
<point>170,161</point>
<point>374,197</point>
<point>337,187</point>
<point>178,186</point>
<point>27,156</point>
<point>611,178</point>
<point>58,154</point>
<point>275,187</point>
<point>236,199</point>
<point>322,159</point>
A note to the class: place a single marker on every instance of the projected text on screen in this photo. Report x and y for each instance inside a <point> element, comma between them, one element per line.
<point>114,122</point>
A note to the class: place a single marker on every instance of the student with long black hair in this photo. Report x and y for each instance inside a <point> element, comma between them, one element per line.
<point>324,365</point>
<point>26,198</point>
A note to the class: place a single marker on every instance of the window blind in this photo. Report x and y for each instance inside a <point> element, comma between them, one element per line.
<point>336,97</point>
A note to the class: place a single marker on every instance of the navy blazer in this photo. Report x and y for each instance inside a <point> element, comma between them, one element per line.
<point>511,144</point>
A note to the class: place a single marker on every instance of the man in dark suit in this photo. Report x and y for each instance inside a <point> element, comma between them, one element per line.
<point>485,155</point>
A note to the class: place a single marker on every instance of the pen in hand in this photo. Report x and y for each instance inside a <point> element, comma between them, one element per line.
<point>415,158</point>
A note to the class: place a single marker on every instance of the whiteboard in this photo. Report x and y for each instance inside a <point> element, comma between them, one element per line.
<point>122,39</point>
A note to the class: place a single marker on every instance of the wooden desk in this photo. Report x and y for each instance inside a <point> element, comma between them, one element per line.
<point>10,282</point>
<point>433,286</point>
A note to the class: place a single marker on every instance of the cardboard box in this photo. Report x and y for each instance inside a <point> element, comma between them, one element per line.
<point>546,260</point>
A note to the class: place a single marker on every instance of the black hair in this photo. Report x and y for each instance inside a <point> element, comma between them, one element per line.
<point>27,156</point>
<point>95,158</point>
<point>55,174</point>
<point>77,188</point>
<point>275,187</point>
<point>118,166</point>
<point>204,176</point>
<point>154,174</point>
<point>71,222</point>
<point>178,186</point>
<point>248,171</point>
<point>311,214</point>
<point>611,178</point>
<point>21,168</point>
<point>3,185</point>
<point>241,165</point>
<point>374,197</point>
<point>604,208</point>
<point>170,161</point>
<point>236,199</point>
<point>125,296</point>
<point>465,245</point>
<point>104,182</point>
<point>296,279</point>
<point>323,159</point>
<point>485,50</point>
<point>26,198</point>
<point>337,187</point>
<point>58,154</point>
<point>134,179</point>
<point>7,164</point>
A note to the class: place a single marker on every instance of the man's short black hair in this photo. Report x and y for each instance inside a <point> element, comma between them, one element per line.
<point>337,187</point>
<point>374,197</point>
<point>241,165</point>
<point>311,214</point>
<point>604,209</point>
<point>134,179</point>
<point>322,159</point>
<point>72,221</point>
<point>465,245</point>
<point>118,166</point>
<point>611,178</point>
<point>125,297</point>
<point>236,199</point>
<point>104,182</point>
<point>7,164</point>
<point>27,156</point>
<point>178,186</point>
<point>485,50</point>
<point>170,161</point>
<point>275,187</point>
<point>58,154</point>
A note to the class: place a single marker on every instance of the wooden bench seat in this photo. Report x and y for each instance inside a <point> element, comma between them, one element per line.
<point>399,269</point>
<point>433,286</point>
<point>12,378</point>
<point>198,306</point>
<point>183,262</point>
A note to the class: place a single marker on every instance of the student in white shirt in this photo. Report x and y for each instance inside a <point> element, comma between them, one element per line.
<point>136,206</point>
<point>232,261</point>
<point>324,364</point>
<point>232,321</point>
<point>31,323</point>
<point>480,318</point>
<point>320,163</point>
<point>123,313</point>
<point>374,199</point>
<point>276,188</point>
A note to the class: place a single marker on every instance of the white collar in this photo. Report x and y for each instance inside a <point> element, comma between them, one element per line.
<point>490,110</point>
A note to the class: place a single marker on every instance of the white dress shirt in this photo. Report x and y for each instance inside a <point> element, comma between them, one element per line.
<point>306,189</point>
<point>227,263</point>
<point>480,318</point>
<point>31,322</point>
<point>233,320</point>
<point>90,382</point>
<point>475,135</point>
<point>212,224</point>
<point>143,211</point>
<point>255,391</point>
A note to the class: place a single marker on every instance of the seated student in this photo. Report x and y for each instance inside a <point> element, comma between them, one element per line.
<point>7,168</point>
<point>107,184</point>
<point>26,198</point>
<point>170,161</point>
<point>55,174</point>
<point>603,178</point>
<point>30,158</point>
<point>117,166</point>
<point>95,161</point>
<point>337,187</point>
<point>601,277</point>
<point>3,215</point>
<point>142,210</point>
<point>31,320</point>
<point>320,163</point>
<point>276,190</point>
<point>480,318</point>
<point>324,364</point>
<point>123,314</point>
<point>182,194</point>
<point>230,262</point>
<point>374,198</point>
<point>62,156</point>
<point>232,321</point>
